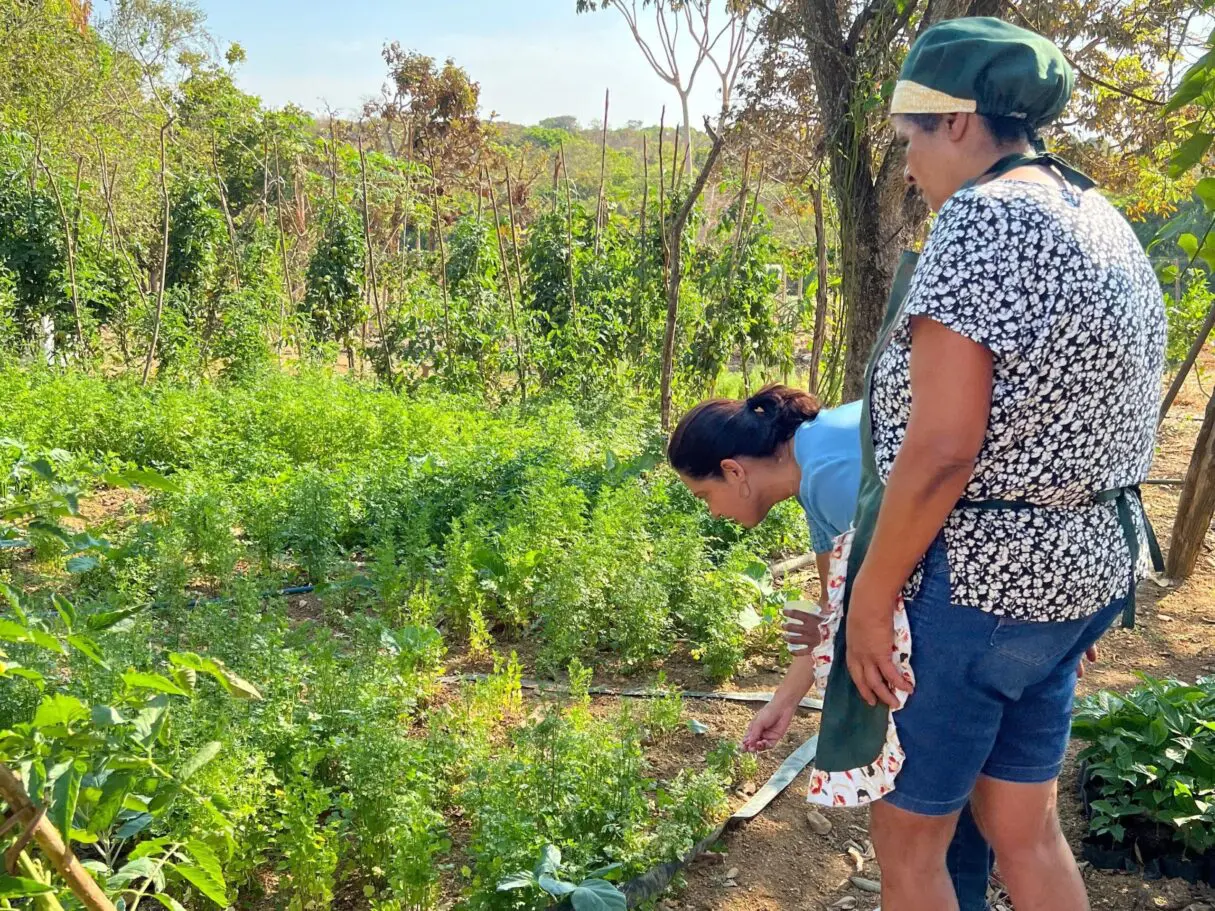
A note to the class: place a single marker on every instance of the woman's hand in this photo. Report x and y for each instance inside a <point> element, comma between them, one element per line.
<point>802,628</point>
<point>768,726</point>
<point>870,641</point>
<point>1090,655</point>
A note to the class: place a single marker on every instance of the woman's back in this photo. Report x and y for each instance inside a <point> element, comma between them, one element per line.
<point>1053,282</point>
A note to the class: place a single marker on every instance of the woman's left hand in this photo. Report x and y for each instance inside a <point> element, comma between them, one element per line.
<point>870,641</point>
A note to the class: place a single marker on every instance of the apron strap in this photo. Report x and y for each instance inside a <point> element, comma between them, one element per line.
<point>1125,503</point>
<point>1020,159</point>
<point>1120,496</point>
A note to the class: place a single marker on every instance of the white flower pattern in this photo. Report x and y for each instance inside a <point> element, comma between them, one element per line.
<point>1056,285</point>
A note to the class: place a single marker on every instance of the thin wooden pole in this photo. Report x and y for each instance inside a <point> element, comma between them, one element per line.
<point>510,295</point>
<point>434,202</point>
<point>662,202</point>
<point>223,199</point>
<point>569,239</point>
<point>645,198</point>
<point>164,259</point>
<point>371,273</point>
<point>71,250</point>
<point>820,291</point>
<point>514,238</point>
<point>602,172</point>
<point>49,840</point>
<point>282,242</point>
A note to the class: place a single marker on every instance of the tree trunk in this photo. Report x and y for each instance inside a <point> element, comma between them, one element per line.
<point>1204,332</point>
<point>820,290</point>
<point>675,276</point>
<point>1197,506</point>
<point>687,133</point>
<point>878,218</point>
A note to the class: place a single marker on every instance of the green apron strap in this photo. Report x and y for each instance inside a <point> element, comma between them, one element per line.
<point>1120,497</point>
<point>1020,159</point>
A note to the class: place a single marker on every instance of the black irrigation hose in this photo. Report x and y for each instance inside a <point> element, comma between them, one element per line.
<point>644,693</point>
<point>279,593</point>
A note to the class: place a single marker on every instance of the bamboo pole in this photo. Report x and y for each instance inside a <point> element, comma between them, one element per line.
<point>282,242</point>
<point>71,250</point>
<point>662,204</point>
<point>48,839</point>
<point>371,273</point>
<point>514,238</point>
<point>510,295</point>
<point>223,199</point>
<point>164,259</point>
<point>434,203</point>
<point>569,239</point>
<point>602,172</point>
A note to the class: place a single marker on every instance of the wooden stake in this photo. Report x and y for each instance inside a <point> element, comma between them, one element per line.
<point>282,242</point>
<point>599,215</point>
<point>820,291</point>
<point>223,199</point>
<point>510,295</point>
<point>49,840</point>
<point>434,202</point>
<point>164,259</point>
<point>645,198</point>
<point>514,239</point>
<point>371,273</point>
<point>673,281</point>
<point>569,239</point>
<point>71,250</point>
<point>662,203</point>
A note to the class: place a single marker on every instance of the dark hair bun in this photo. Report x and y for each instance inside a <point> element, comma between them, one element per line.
<point>726,429</point>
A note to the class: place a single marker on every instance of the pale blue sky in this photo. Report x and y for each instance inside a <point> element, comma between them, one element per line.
<point>533,58</point>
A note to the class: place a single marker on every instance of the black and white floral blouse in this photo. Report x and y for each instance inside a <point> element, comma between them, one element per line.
<point>1055,284</point>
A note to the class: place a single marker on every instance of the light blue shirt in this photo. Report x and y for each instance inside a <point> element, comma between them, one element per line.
<point>828,451</point>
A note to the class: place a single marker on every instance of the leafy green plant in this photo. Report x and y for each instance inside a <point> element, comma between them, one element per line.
<point>1151,757</point>
<point>593,893</point>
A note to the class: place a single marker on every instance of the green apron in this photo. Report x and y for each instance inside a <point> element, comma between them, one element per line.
<point>852,733</point>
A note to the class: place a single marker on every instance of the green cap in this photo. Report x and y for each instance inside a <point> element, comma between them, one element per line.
<point>984,66</point>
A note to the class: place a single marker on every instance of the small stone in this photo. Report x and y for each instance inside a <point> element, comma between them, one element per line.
<point>732,873</point>
<point>712,857</point>
<point>748,789</point>
<point>1164,618</point>
<point>847,903</point>
<point>866,885</point>
<point>819,824</point>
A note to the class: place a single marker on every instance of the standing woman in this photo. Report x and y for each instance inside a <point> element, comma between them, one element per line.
<point>1010,414</point>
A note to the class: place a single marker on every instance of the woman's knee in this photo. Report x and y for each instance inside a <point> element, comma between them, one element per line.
<point>1019,821</point>
<point>909,842</point>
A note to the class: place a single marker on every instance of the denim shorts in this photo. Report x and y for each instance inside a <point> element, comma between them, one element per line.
<point>993,696</point>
